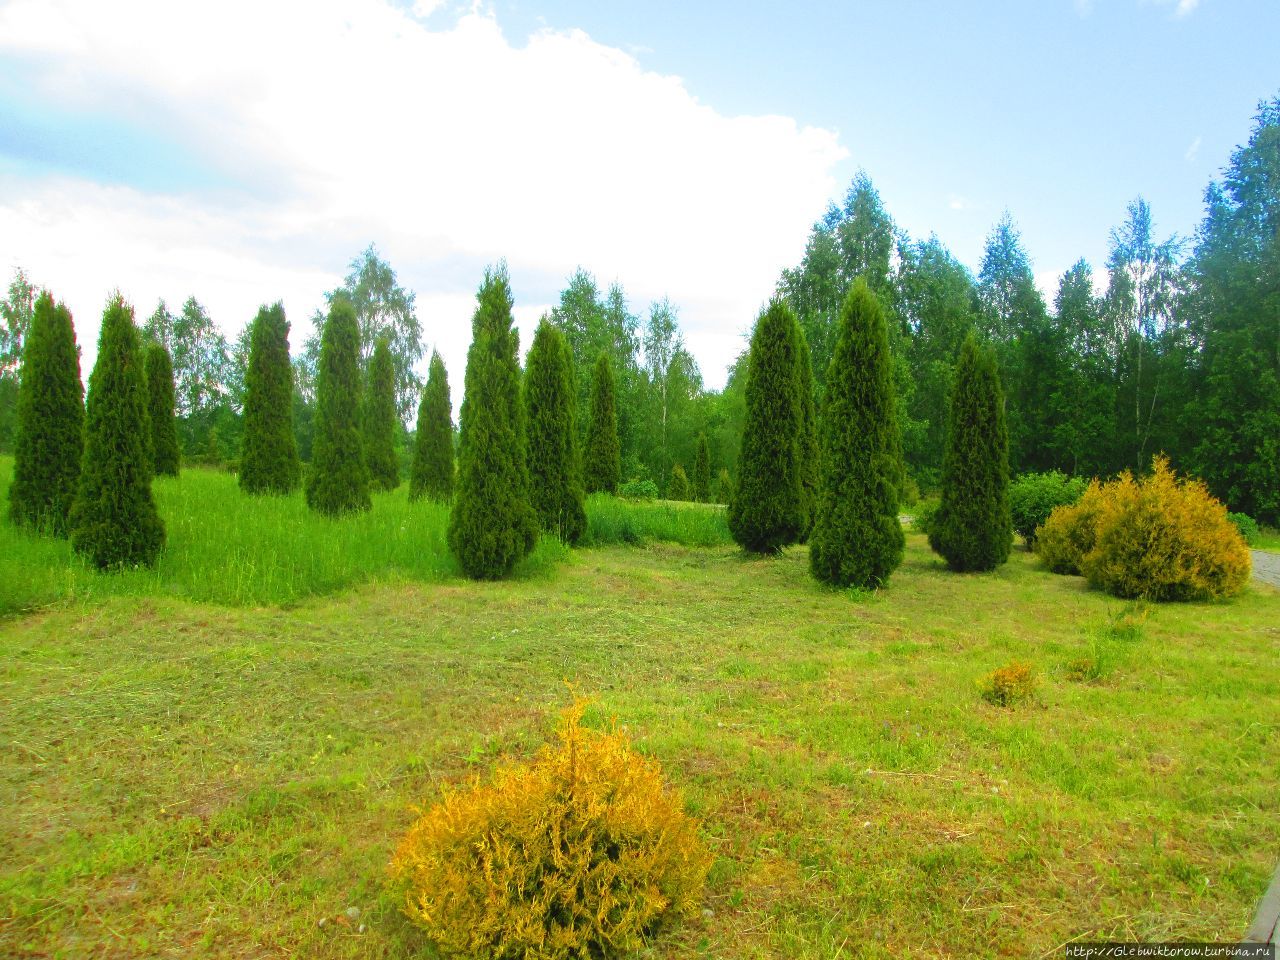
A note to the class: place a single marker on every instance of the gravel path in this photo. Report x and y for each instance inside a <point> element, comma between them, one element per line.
<point>1266,567</point>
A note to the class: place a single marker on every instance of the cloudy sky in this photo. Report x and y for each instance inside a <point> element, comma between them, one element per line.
<point>245,152</point>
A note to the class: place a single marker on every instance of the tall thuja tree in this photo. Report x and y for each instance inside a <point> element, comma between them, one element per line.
<point>165,458</point>
<point>767,510</point>
<point>432,473</point>
<point>338,481</point>
<point>492,524</point>
<point>808,457</point>
<point>269,454</point>
<point>601,463</point>
<point>1233,425</point>
<point>857,539</point>
<point>113,521</point>
<point>550,403</point>
<point>49,441</point>
<point>973,529</point>
<point>702,471</point>
<point>380,420</point>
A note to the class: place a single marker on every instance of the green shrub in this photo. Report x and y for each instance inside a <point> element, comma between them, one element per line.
<point>269,450</point>
<point>49,444</point>
<point>581,853</point>
<point>1010,685</point>
<point>639,488</point>
<point>550,403</point>
<point>724,487</point>
<point>678,486</point>
<point>1247,526</point>
<point>379,419</point>
<point>432,473</point>
<point>338,481</point>
<point>1033,496</point>
<point>923,515</point>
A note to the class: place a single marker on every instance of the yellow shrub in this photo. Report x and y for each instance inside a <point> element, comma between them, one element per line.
<point>1070,531</point>
<point>1009,685</point>
<point>577,854</point>
<point>1161,538</point>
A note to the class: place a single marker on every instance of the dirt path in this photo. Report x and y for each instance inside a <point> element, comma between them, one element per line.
<point>1266,567</point>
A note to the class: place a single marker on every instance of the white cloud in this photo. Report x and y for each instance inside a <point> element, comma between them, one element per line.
<point>1181,8</point>
<point>1194,149</point>
<point>1083,7</point>
<point>957,202</point>
<point>345,122</point>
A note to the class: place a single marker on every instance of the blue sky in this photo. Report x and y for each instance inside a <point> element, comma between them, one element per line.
<point>245,153</point>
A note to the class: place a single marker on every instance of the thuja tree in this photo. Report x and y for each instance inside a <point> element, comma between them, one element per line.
<point>857,538</point>
<point>807,450</point>
<point>432,473</point>
<point>50,422</point>
<point>380,420</point>
<point>973,528</point>
<point>678,485</point>
<point>165,458</point>
<point>602,460</point>
<point>338,481</point>
<point>269,452</point>
<point>492,524</point>
<point>114,522</point>
<point>702,471</point>
<point>550,399</point>
<point>766,512</point>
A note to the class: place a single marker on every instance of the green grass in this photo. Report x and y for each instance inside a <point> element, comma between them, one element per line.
<point>187,779</point>
<point>231,549</point>
<point>1268,539</point>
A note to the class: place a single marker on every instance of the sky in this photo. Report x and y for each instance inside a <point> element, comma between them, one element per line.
<point>245,152</point>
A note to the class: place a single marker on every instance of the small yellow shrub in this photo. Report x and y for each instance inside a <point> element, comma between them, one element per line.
<point>1010,685</point>
<point>1070,532</point>
<point>1161,538</point>
<point>578,854</point>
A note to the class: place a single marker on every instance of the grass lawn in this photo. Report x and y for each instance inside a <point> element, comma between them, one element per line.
<point>1268,539</point>
<point>182,778</point>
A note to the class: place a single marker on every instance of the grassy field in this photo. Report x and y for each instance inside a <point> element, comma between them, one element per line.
<point>1268,539</point>
<point>185,779</point>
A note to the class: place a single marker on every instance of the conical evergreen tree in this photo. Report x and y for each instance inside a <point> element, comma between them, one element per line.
<point>857,538</point>
<point>114,522</point>
<point>807,440</point>
<point>550,399</point>
<point>432,474</point>
<point>380,420</point>
<point>50,422</point>
<point>492,524</point>
<point>602,461</point>
<point>702,471</point>
<point>724,487</point>
<point>678,487</point>
<point>269,451</point>
<point>766,512</point>
<point>973,528</point>
<point>338,481</point>
<point>165,458</point>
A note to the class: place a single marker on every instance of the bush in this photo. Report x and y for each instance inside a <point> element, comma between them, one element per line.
<point>432,473</point>
<point>638,488</point>
<point>1010,685</point>
<point>678,485</point>
<point>338,481</point>
<point>1070,532</point>
<point>1161,538</point>
<point>1033,496</point>
<point>724,487</point>
<point>1247,526</point>
<point>923,516</point>
<point>269,450</point>
<point>581,853</point>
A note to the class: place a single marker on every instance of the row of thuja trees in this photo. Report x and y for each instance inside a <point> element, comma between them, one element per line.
<point>832,476</point>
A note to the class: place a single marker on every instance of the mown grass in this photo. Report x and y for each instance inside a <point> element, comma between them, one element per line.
<point>186,779</point>
<point>228,548</point>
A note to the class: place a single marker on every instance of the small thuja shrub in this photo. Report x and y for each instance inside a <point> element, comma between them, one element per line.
<point>1247,526</point>
<point>1070,532</point>
<point>1165,538</point>
<point>1010,685</point>
<point>678,486</point>
<point>1033,496</point>
<point>581,853</point>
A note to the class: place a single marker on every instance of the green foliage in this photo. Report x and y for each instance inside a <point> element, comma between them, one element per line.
<point>269,451</point>
<point>973,530</point>
<point>1033,496</point>
<point>702,471</point>
<point>767,511</point>
<point>50,422</point>
<point>380,420</point>
<point>432,472</point>
<point>678,486</point>
<point>925,513</point>
<point>165,458</point>
<point>550,402</point>
<point>113,521</point>
<point>1247,526</point>
<point>492,524</point>
<point>857,538</point>
<point>602,459</point>
<point>724,487</point>
<point>580,853</point>
<point>639,488</point>
<point>338,481</point>
<point>808,461</point>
